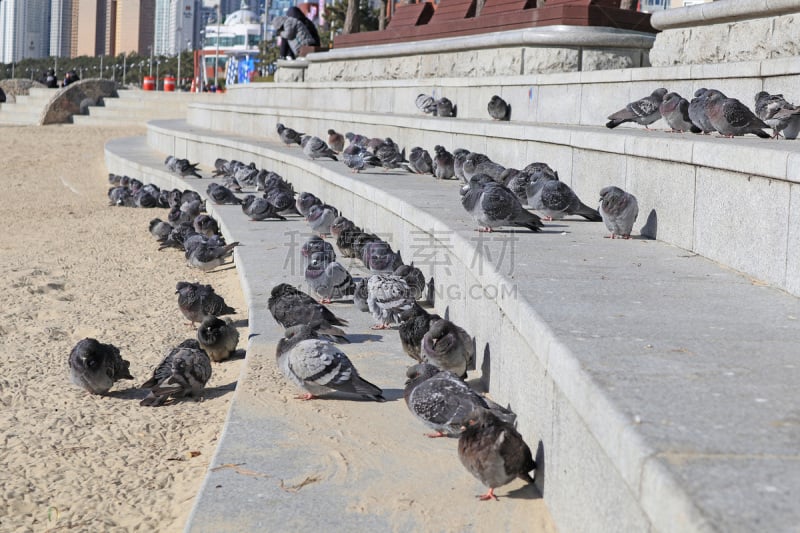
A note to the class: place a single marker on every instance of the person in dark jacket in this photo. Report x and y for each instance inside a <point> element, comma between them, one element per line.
<point>50,79</point>
<point>296,31</point>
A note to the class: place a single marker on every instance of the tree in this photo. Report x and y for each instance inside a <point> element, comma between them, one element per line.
<point>351,19</point>
<point>336,15</point>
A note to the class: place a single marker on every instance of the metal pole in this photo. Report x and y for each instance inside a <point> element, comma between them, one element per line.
<point>101,67</point>
<point>151,61</point>
<point>216,57</point>
<point>124,68</point>
<point>158,63</point>
<point>179,67</point>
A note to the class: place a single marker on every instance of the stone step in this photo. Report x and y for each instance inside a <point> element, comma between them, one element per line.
<point>648,392</point>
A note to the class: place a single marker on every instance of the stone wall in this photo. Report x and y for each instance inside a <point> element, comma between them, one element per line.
<point>725,32</point>
<point>15,86</point>
<point>74,99</point>
<point>511,53</point>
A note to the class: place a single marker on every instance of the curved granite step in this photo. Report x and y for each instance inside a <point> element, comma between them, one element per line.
<point>653,379</point>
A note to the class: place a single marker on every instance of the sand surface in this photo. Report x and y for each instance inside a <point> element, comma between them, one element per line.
<point>75,267</point>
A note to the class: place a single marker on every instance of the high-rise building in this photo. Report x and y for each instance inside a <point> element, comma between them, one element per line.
<point>184,25</point>
<point>161,26</point>
<point>90,17</point>
<point>24,29</point>
<point>61,28</point>
<point>135,26</point>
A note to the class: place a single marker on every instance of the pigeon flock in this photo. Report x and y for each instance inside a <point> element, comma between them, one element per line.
<point>186,368</point>
<point>493,194</point>
<point>310,354</point>
<point>712,111</point>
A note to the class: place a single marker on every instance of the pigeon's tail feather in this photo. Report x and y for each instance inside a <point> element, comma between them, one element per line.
<point>525,476</point>
<point>154,399</point>
<point>588,213</point>
<point>611,124</point>
<point>763,134</point>
<point>367,389</point>
<point>530,221</point>
<point>695,129</point>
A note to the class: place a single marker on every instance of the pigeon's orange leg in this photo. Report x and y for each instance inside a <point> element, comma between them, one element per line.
<point>435,435</point>
<point>305,397</point>
<point>488,496</point>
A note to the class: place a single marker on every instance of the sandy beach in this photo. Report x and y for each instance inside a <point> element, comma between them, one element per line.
<point>75,267</point>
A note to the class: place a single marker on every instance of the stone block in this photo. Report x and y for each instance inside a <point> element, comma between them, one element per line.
<point>542,60</point>
<point>665,192</point>
<point>722,197</point>
<point>557,104</point>
<point>793,247</point>
<point>521,98</point>
<point>749,40</point>
<point>707,44</point>
<point>605,59</point>
<point>670,48</point>
<point>785,40</point>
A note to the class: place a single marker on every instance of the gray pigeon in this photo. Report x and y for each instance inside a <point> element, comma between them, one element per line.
<point>675,110</point>
<point>555,200</point>
<point>95,366</point>
<point>207,256</point>
<point>443,401</point>
<point>205,225</point>
<point>449,347</point>
<point>320,217</point>
<point>316,244</point>
<point>643,111</point>
<point>697,111</point>
<point>494,452</point>
<point>160,229</point>
<point>283,201</point>
<point>328,278</point>
<point>619,210</point>
<point>220,194</point>
<point>304,202</point>
<point>290,306</point>
<point>317,366</point>
<point>390,155</point>
<point>459,156</point>
<point>144,198</point>
<point>183,372</point>
<point>355,138</point>
<point>425,103</point>
<point>415,324</point>
<point>414,277</point>
<point>476,163</point>
<point>360,295</point>
<point>419,161</point>
<point>335,141</point>
<point>517,182</point>
<point>730,117</point>
<point>288,135</point>
<point>388,298</point>
<point>357,158</point>
<point>258,208</point>
<point>493,205</point>
<point>379,257</point>
<point>445,108</point>
<point>197,301</point>
<point>499,109</point>
<point>778,113</point>
<point>218,338</point>
<point>314,148</point>
<point>442,163</point>
<point>539,170</point>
